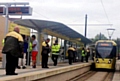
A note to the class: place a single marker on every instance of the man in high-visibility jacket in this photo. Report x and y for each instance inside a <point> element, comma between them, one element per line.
<point>55,52</point>
<point>83,54</point>
<point>28,54</point>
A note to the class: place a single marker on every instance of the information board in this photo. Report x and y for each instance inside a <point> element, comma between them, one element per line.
<point>2,10</point>
<point>17,10</point>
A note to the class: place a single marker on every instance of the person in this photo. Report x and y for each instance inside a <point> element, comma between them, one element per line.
<point>88,54</point>
<point>3,42</point>
<point>83,54</point>
<point>25,51</point>
<point>55,52</point>
<point>13,48</point>
<point>45,51</point>
<point>75,55</point>
<point>28,54</point>
<point>71,53</point>
<point>34,50</point>
<point>93,54</point>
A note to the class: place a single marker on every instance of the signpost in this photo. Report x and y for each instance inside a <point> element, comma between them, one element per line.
<point>16,8</point>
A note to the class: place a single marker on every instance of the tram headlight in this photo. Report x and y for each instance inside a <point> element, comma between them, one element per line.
<point>109,61</point>
<point>97,61</point>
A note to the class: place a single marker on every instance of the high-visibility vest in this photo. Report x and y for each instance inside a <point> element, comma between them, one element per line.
<point>3,41</point>
<point>30,46</point>
<point>55,49</point>
<point>83,53</point>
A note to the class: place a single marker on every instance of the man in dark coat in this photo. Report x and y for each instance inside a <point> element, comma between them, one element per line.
<point>45,51</point>
<point>13,48</point>
<point>88,54</point>
<point>71,53</point>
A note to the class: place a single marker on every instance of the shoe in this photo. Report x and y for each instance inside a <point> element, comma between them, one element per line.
<point>55,64</point>
<point>46,67</point>
<point>43,67</point>
<point>34,66</point>
<point>23,67</point>
<point>11,73</point>
<point>8,73</point>
<point>18,67</point>
<point>14,73</point>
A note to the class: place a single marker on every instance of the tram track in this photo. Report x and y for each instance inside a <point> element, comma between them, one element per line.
<point>93,76</point>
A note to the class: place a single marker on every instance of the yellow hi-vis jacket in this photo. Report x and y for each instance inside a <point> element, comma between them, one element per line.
<point>83,53</point>
<point>30,46</point>
<point>55,49</point>
<point>3,41</point>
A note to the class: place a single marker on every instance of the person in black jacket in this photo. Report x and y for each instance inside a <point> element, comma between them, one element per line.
<point>71,53</point>
<point>88,54</point>
<point>13,48</point>
<point>45,51</point>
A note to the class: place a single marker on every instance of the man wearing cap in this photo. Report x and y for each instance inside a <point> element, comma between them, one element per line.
<point>55,52</point>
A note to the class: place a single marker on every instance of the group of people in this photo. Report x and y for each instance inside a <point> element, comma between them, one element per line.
<point>46,49</point>
<point>85,54</point>
<point>15,46</point>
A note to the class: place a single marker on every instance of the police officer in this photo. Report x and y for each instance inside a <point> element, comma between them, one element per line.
<point>55,52</point>
<point>45,52</point>
<point>83,54</point>
<point>88,54</point>
<point>28,54</point>
<point>71,52</point>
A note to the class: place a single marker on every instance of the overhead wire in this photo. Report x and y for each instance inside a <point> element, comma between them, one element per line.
<point>105,11</point>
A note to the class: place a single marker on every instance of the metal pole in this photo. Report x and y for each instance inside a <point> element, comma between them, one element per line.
<point>65,49</point>
<point>28,56</point>
<point>6,31</point>
<point>85,25</point>
<point>39,41</point>
<point>100,36</point>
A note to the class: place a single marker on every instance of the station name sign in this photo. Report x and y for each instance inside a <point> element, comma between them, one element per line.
<point>17,10</point>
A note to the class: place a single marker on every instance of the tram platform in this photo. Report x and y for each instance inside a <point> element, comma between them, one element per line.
<point>51,74</point>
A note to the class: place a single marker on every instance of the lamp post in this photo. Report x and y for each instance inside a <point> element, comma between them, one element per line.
<point>110,32</point>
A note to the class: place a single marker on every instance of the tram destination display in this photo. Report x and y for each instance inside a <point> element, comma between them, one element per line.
<point>19,10</point>
<point>2,11</point>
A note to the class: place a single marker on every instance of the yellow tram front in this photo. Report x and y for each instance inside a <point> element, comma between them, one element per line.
<point>105,54</point>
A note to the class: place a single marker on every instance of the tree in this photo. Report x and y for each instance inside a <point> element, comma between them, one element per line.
<point>99,37</point>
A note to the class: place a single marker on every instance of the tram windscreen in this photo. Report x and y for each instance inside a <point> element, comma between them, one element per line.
<point>104,50</point>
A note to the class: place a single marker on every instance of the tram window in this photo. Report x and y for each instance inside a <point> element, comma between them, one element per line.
<point>104,51</point>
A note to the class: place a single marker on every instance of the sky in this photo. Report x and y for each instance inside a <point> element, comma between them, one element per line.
<point>101,14</point>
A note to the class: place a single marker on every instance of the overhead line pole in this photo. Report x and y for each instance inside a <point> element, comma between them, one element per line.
<point>85,25</point>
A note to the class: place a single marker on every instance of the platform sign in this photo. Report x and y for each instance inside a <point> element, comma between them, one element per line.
<point>18,10</point>
<point>2,10</point>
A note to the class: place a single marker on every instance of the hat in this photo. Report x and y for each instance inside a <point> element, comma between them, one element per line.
<point>56,41</point>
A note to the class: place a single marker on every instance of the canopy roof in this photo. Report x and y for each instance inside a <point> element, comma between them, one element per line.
<point>59,28</point>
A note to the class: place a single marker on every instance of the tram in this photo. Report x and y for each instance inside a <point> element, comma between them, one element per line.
<point>105,54</point>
